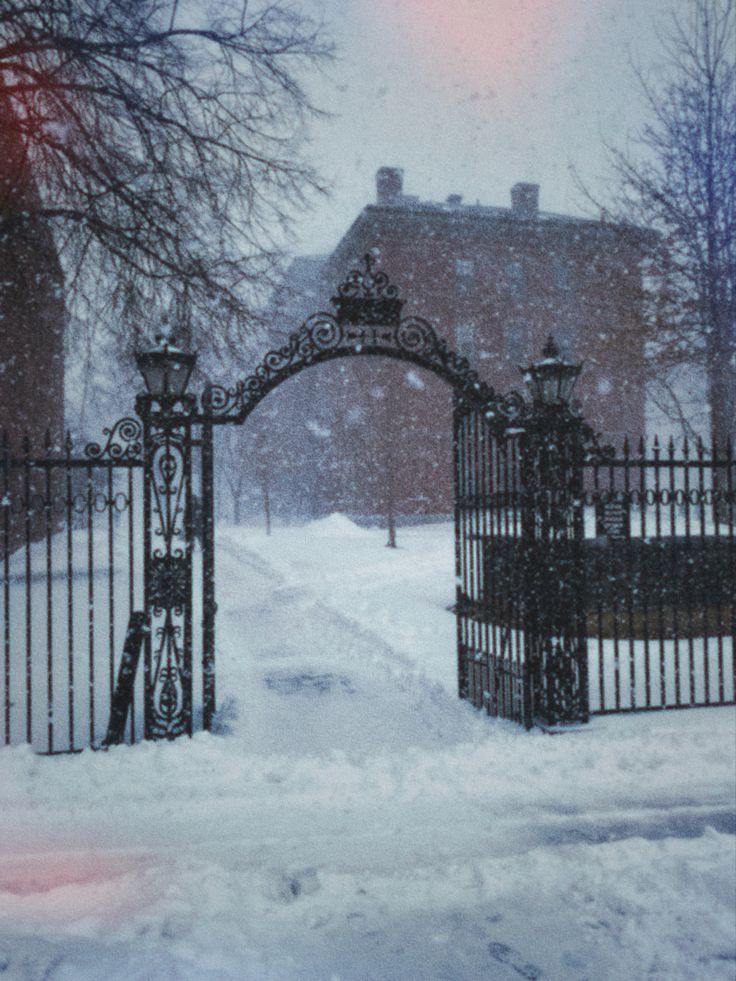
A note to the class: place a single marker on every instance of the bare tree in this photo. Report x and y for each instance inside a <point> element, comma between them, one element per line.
<point>387,439</point>
<point>680,179</point>
<point>162,140</point>
<point>232,470</point>
<point>263,465</point>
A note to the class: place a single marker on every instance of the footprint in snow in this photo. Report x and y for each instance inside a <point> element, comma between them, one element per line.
<point>309,682</point>
<point>513,959</point>
<point>285,887</point>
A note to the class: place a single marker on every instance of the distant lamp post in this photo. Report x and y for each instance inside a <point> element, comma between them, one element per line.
<point>166,370</point>
<point>551,380</point>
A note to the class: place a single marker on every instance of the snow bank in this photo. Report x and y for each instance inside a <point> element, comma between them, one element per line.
<point>355,821</point>
<point>334,525</point>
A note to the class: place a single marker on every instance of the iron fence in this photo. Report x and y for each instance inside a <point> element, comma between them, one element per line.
<point>70,561</point>
<point>660,576</point>
<point>599,584</point>
<point>632,561</point>
<point>493,667</point>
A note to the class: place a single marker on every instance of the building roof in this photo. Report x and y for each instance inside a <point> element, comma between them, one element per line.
<point>479,215</point>
<point>393,207</point>
<point>474,211</point>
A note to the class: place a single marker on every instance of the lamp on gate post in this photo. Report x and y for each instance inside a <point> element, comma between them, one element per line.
<point>166,370</point>
<point>552,523</point>
<point>550,382</point>
<point>168,414</point>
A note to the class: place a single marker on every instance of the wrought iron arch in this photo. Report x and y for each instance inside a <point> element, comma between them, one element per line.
<point>367,321</point>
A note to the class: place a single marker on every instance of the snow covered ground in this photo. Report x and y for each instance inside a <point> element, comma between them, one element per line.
<point>353,820</point>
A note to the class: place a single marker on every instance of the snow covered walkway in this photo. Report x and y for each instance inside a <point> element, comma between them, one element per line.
<point>353,820</point>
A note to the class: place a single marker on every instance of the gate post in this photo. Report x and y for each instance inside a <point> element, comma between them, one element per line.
<point>167,415</point>
<point>554,577</point>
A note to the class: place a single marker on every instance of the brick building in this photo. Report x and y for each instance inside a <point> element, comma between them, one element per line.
<point>31,302</point>
<point>495,282</point>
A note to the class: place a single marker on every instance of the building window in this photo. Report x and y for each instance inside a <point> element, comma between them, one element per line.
<point>563,276</point>
<point>465,340</point>
<point>464,277</point>
<point>515,278</point>
<point>517,340</point>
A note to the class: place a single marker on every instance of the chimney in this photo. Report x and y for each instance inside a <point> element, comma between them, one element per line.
<point>389,185</point>
<point>525,200</point>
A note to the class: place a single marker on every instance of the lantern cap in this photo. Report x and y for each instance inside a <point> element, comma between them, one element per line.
<point>550,350</point>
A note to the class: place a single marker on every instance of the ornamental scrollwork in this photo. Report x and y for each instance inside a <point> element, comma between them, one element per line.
<point>219,402</point>
<point>367,297</point>
<point>169,587</point>
<point>169,577</point>
<point>367,320</point>
<point>367,283</point>
<point>170,714</point>
<point>169,482</point>
<point>124,442</point>
<point>415,336</point>
<point>510,407</point>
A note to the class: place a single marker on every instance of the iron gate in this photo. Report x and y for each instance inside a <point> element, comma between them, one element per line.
<point>493,670</point>
<point>109,552</point>
<point>519,534</point>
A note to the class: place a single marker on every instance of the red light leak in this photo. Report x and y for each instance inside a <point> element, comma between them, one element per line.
<point>34,874</point>
<point>490,42</point>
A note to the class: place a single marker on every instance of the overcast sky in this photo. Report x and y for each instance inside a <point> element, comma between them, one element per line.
<point>470,96</point>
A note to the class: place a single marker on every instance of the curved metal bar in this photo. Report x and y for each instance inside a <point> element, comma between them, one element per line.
<point>322,339</point>
<point>124,441</point>
<point>367,321</point>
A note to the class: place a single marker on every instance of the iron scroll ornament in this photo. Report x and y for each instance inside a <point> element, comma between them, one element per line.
<point>124,442</point>
<point>169,584</point>
<point>367,321</point>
